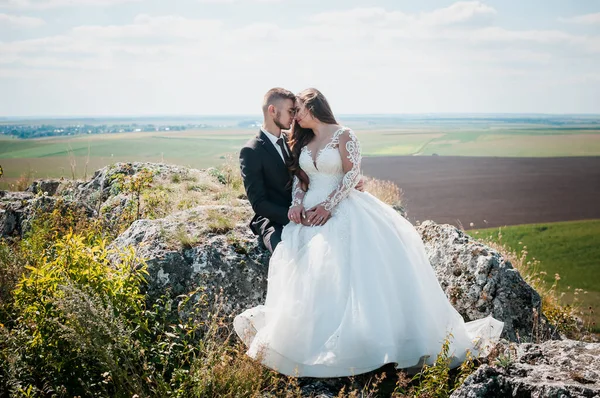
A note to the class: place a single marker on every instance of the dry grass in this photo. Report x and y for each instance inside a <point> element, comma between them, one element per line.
<point>24,180</point>
<point>191,188</point>
<point>566,317</point>
<point>219,221</point>
<point>386,191</point>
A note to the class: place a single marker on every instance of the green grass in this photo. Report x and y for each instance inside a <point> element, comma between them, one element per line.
<point>570,249</point>
<point>510,143</point>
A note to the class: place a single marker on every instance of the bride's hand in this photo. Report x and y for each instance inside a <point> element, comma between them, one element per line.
<point>296,214</point>
<point>319,215</point>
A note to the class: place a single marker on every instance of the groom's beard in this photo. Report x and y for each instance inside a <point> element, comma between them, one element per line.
<point>278,122</point>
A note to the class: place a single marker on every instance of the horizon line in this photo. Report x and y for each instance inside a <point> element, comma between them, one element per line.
<point>258,115</point>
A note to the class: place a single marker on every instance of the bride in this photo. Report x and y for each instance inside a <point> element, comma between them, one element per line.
<point>350,287</point>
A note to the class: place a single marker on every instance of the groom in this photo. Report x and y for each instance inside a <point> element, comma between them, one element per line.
<point>262,162</point>
<point>266,177</point>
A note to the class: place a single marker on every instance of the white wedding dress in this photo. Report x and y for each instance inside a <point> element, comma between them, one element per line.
<point>356,293</point>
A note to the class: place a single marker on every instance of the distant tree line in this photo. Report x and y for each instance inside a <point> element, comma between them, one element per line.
<point>49,130</point>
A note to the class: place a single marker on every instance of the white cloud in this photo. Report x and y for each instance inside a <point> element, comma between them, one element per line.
<point>145,26</point>
<point>457,13</point>
<point>460,12</point>
<point>236,1</point>
<point>407,61</point>
<point>20,21</point>
<point>45,4</point>
<point>587,19</point>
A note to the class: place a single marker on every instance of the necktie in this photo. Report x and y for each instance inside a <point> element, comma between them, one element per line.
<point>286,158</point>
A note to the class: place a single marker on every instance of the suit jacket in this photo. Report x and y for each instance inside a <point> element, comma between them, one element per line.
<point>267,182</point>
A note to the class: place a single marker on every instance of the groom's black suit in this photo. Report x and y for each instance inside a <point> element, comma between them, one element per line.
<point>268,186</point>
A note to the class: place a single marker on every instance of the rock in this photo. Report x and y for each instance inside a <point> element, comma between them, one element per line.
<point>12,207</point>
<point>480,281</point>
<point>47,187</point>
<point>104,182</point>
<point>182,253</point>
<point>105,191</point>
<point>565,368</point>
<point>18,209</point>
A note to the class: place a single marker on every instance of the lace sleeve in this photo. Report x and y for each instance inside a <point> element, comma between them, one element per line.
<point>297,192</point>
<point>349,148</point>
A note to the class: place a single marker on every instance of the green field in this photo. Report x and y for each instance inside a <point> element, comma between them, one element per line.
<point>55,156</point>
<point>570,249</point>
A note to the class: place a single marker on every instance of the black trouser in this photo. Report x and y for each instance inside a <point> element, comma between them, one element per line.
<point>271,236</point>
<point>269,232</point>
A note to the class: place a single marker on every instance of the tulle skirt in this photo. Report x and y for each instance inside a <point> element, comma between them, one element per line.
<point>354,294</point>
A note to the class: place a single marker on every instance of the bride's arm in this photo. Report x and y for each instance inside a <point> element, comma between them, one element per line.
<point>297,192</point>
<point>296,212</point>
<point>349,148</point>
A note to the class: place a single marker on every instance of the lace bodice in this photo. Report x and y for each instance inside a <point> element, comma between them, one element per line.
<point>333,174</point>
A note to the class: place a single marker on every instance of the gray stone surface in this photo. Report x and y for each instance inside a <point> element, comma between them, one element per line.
<point>480,281</point>
<point>566,368</point>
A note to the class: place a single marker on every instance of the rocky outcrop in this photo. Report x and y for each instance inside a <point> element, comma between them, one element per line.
<point>202,240</point>
<point>18,209</point>
<point>183,252</point>
<point>103,195</point>
<point>566,368</point>
<point>480,281</point>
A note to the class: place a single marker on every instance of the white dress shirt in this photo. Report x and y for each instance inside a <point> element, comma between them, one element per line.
<point>274,139</point>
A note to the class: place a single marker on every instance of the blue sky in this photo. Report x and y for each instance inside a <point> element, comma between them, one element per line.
<point>148,57</point>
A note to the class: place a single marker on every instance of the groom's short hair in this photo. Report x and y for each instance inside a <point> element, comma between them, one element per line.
<point>274,95</point>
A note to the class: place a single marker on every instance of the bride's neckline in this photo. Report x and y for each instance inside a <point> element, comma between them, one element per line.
<point>331,140</point>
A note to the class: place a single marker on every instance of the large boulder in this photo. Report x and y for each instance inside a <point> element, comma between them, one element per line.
<point>566,368</point>
<point>480,281</point>
<point>202,247</point>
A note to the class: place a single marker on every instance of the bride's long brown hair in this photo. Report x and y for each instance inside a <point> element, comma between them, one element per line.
<point>319,108</point>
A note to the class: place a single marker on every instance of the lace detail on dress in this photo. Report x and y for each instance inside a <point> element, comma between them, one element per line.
<point>352,176</point>
<point>297,193</point>
<point>334,143</point>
